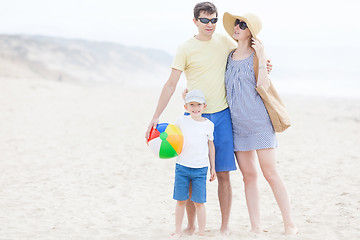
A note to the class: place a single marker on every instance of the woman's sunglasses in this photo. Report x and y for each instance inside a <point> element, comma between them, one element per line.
<point>206,20</point>
<point>242,25</point>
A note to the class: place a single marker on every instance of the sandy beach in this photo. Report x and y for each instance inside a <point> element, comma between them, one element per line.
<point>74,165</point>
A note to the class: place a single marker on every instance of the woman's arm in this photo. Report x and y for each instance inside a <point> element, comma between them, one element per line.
<point>263,79</point>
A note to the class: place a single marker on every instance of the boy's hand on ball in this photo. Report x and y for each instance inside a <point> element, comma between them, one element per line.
<point>152,125</point>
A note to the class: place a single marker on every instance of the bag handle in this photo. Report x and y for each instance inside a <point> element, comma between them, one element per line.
<point>256,67</point>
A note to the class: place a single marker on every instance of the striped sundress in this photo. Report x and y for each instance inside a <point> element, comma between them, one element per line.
<point>252,128</point>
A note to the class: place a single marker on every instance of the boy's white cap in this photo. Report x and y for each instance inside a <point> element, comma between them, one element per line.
<point>195,96</point>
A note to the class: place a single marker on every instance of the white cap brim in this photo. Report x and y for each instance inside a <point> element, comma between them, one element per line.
<point>195,99</point>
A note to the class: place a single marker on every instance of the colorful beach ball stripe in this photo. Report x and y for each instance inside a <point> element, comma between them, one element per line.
<point>166,141</point>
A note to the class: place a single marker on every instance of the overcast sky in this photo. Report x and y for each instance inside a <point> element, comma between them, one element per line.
<point>164,24</point>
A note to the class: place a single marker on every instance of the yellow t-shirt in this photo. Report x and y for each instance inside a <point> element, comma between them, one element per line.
<point>204,64</point>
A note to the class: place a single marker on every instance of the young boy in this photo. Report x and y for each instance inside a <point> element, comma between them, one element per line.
<point>192,164</point>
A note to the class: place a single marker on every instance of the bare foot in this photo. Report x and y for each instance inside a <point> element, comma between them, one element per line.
<point>256,230</point>
<point>175,235</point>
<point>225,231</point>
<point>291,230</point>
<point>201,233</point>
<point>189,231</point>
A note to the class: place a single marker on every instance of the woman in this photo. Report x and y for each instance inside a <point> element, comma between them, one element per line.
<point>252,128</point>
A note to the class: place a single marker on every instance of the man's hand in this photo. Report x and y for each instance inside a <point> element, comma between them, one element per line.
<point>152,125</point>
<point>268,66</point>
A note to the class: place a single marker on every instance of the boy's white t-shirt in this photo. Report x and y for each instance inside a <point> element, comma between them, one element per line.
<point>195,151</point>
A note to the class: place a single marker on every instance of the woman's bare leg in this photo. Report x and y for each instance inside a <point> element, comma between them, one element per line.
<point>247,164</point>
<point>272,176</point>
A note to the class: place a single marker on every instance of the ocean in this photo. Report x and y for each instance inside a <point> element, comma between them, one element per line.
<point>322,71</point>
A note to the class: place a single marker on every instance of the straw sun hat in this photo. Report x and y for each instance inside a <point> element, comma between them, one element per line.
<point>252,21</point>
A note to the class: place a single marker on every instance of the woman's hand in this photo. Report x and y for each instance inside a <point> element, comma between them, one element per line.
<point>260,53</point>
<point>259,49</point>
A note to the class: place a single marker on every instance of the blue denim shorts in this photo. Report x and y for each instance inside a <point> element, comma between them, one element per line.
<point>183,176</point>
<point>223,140</point>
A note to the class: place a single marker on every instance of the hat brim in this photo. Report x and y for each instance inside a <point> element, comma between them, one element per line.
<point>229,24</point>
<point>195,99</point>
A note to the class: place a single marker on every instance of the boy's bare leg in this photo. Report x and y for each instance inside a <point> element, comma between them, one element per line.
<point>225,199</point>
<point>201,217</point>
<point>191,214</point>
<point>179,216</point>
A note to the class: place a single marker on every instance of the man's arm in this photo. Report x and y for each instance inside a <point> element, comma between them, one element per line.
<point>165,96</point>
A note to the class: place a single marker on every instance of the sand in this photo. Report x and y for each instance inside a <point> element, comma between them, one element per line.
<point>74,165</point>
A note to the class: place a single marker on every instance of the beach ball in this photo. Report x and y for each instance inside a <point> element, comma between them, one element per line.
<point>166,141</point>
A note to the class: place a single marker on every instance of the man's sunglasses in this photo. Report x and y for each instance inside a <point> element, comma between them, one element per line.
<point>206,20</point>
<point>242,25</point>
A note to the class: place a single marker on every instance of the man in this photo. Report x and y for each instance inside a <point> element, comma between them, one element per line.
<point>203,59</point>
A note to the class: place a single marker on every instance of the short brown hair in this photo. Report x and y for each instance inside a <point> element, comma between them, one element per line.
<point>206,7</point>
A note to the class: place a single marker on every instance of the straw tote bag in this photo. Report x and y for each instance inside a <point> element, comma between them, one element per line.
<point>274,106</point>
